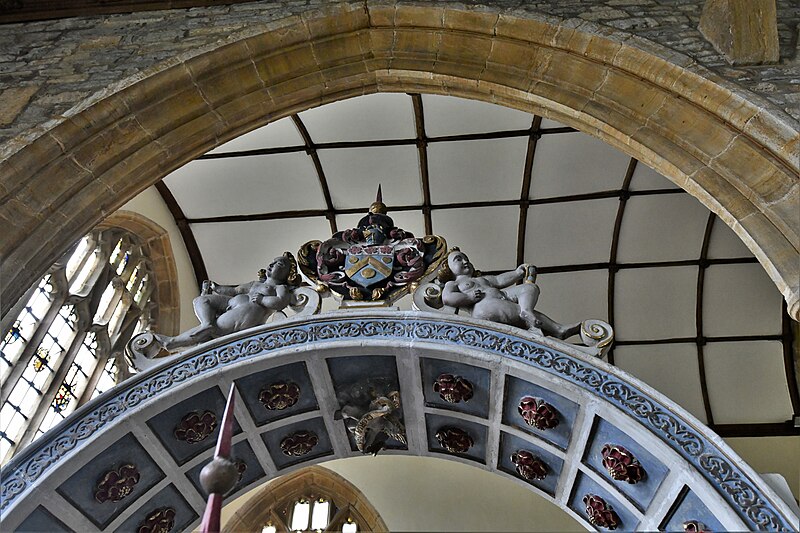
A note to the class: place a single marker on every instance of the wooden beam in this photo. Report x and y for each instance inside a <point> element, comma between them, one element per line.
<point>200,273</point>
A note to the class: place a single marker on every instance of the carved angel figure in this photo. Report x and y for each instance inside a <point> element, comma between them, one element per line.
<point>498,299</point>
<point>373,418</point>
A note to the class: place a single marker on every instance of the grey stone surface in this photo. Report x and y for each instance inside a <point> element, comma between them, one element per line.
<point>71,59</point>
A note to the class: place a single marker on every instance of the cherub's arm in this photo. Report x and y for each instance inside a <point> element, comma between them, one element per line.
<point>452,296</point>
<point>230,290</point>
<point>282,298</point>
<point>506,279</point>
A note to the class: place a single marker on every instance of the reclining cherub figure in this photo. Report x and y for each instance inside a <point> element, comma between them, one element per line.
<point>498,298</point>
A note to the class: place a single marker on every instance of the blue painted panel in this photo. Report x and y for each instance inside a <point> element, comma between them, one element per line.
<point>640,493</point>
<point>348,371</point>
<point>585,485</point>
<point>510,444</point>
<point>41,520</point>
<point>690,507</point>
<point>250,387</point>
<point>567,410</point>
<point>164,424</point>
<point>80,488</point>
<point>478,433</point>
<point>241,451</point>
<point>168,497</point>
<point>273,441</point>
<point>480,378</point>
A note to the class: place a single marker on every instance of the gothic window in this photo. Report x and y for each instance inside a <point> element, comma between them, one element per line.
<point>63,342</point>
<point>312,499</point>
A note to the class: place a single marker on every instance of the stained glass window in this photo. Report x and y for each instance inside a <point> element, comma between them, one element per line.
<point>62,344</point>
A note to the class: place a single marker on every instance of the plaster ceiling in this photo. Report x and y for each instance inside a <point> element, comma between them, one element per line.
<point>696,316</point>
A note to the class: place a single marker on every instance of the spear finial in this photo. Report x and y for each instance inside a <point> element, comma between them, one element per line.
<point>220,475</point>
<point>378,206</point>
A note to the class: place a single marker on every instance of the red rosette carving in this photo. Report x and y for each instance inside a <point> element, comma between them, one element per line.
<point>600,513</point>
<point>159,521</point>
<point>528,465</point>
<point>299,443</point>
<point>454,440</point>
<point>116,484</point>
<point>453,389</point>
<point>695,526</point>
<point>538,413</point>
<point>196,426</point>
<point>621,464</point>
<point>279,396</point>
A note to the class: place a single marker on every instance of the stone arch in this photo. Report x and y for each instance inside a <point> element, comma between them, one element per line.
<point>320,481</point>
<point>689,474</point>
<point>735,156</point>
<point>162,259</point>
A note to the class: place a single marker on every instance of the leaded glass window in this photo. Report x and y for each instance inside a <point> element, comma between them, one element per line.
<point>63,343</point>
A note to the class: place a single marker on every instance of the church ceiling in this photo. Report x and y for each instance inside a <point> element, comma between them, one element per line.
<point>695,315</point>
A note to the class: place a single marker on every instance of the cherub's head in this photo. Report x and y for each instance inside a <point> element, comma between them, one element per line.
<point>283,269</point>
<point>458,264</point>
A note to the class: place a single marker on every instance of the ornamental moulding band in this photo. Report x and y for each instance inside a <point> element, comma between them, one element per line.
<point>703,453</point>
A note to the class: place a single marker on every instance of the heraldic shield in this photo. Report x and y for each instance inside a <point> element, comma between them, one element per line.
<point>374,262</point>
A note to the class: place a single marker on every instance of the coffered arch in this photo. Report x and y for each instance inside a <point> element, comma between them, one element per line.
<point>735,156</point>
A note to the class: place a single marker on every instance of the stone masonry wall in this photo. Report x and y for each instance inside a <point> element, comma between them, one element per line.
<point>48,67</point>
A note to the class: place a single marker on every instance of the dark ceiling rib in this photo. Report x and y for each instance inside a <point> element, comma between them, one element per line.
<point>612,257</point>
<point>388,142</point>
<point>199,266</point>
<point>311,150</point>
<point>695,340</point>
<point>525,193</point>
<point>422,151</point>
<point>788,359</point>
<point>307,213</point>
<point>701,361</point>
<point>776,429</point>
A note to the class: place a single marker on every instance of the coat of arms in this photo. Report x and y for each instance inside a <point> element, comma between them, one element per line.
<point>374,262</point>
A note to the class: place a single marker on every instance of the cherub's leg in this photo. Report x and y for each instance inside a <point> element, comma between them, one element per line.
<point>526,296</point>
<point>190,337</point>
<point>555,329</point>
<point>207,307</point>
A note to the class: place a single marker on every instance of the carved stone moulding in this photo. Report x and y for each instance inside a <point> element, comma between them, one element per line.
<point>621,464</point>
<point>600,513</point>
<point>695,526</point>
<point>279,396</point>
<point>453,389</point>
<point>454,440</point>
<point>116,484</point>
<point>196,426</point>
<point>538,413</point>
<point>299,443</point>
<point>528,465</point>
<point>159,521</point>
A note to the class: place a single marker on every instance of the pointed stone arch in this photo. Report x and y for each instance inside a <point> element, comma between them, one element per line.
<point>737,157</point>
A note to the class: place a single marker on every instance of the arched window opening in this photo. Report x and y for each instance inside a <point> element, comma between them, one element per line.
<point>312,499</point>
<point>63,343</point>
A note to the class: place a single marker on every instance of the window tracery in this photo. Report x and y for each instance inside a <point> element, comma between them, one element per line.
<point>63,342</point>
<point>313,499</point>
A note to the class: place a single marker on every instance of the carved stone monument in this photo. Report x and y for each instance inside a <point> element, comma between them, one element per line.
<point>375,263</point>
<point>460,288</point>
<point>224,309</point>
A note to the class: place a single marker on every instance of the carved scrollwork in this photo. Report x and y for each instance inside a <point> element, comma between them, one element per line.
<point>695,526</point>
<point>598,335</point>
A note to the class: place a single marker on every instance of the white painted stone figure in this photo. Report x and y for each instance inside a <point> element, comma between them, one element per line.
<point>223,309</point>
<point>498,299</point>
